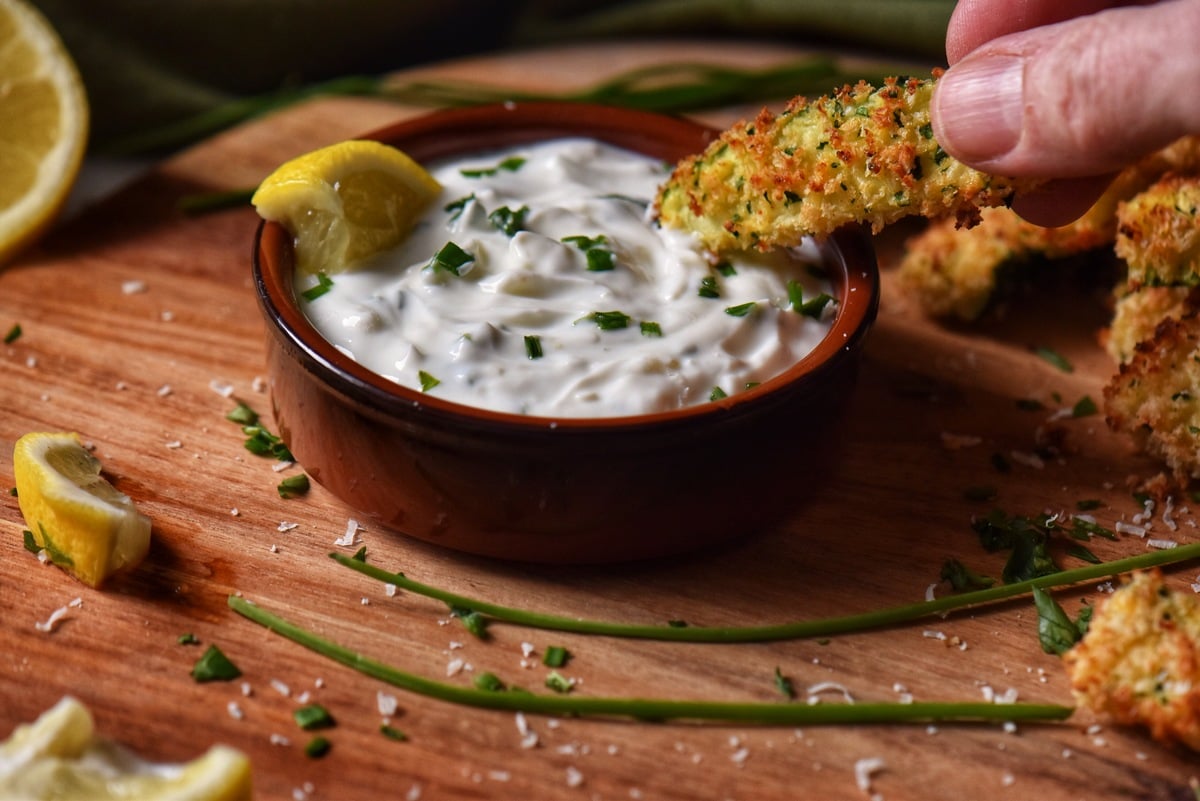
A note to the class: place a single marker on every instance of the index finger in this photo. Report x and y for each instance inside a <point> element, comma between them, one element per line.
<point>975,22</point>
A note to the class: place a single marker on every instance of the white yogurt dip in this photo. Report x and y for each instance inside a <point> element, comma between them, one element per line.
<point>583,307</point>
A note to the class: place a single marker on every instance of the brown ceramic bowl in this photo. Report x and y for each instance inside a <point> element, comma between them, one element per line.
<point>560,490</point>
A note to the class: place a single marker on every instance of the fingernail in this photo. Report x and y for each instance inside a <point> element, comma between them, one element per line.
<point>979,106</point>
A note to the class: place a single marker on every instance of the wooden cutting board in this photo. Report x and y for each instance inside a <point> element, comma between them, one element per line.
<point>133,368</point>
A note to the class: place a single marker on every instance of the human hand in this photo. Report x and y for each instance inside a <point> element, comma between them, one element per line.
<point>1068,90</point>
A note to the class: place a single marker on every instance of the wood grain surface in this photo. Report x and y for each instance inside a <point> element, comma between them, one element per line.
<point>132,371</point>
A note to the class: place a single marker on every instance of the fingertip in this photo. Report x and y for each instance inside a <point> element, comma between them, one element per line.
<point>1060,202</point>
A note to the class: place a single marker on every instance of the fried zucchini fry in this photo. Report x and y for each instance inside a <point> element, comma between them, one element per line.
<point>1137,313</point>
<point>953,272</point>
<point>1158,233</point>
<point>862,155</point>
<point>1140,660</point>
<point>1155,396</point>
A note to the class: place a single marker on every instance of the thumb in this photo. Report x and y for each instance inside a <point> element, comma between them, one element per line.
<point>1079,98</point>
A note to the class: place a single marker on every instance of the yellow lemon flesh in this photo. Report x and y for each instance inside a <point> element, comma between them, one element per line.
<point>43,125</point>
<point>82,522</point>
<point>59,757</point>
<point>346,203</point>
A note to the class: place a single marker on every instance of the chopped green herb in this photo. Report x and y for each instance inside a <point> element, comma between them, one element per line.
<point>533,346</point>
<point>507,220</point>
<point>31,543</point>
<point>717,394</point>
<point>451,258</point>
<point>725,269</point>
<point>1055,358</point>
<point>601,261</point>
<point>784,684</point>
<point>489,682</point>
<point>428,382</point>
<point>586,243</point>
<point>963,578</point>
<point>294,486</point>
<point>1084,407</point>
<point>741,310</point>
<point>1080,552</point>
<point>1057,633</point>
<point>187,638</point>
<point>323,285</point>
<point>13,334</point>
<point>472,621</point>
<point>1085,529</point>
<point>392,733</point>
<point>709,287</point>
<point>313,716</point>
<point>559,683</point>
<point>262,442</point>
<point>677,624</point>
<point>12,491</point>
<point>242,415</point>
<point>610,320</point>
<point>317,747</point>
<point>213,665</point>
<point>650,329</point>
<point>795,294</point>
<point>510,164</point>
<point>1025,539</point>
<point>360,555</point>
<point>556,656</point>
<point>815,306</point>
<point>455,208</point>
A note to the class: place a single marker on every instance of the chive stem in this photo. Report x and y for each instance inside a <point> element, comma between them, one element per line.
<point>806,629</point>
<point>650,708</point>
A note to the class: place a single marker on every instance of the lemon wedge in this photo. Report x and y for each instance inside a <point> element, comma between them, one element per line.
<point>60,757</point>
<point>82,522</point>
<point>346,202</point>
<point>43,125</point>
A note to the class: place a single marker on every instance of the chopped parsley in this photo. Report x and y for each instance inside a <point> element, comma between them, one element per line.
<point>740,310</point>
<point>428,382</point>
<point>293,486</point>
<point>242,415</point>
<point>726,269</point>
<point>31,543</point>
<point>610,320</point>
<point>963,578</point>
<point>1057,633</point>
<point>784,684</point>
<point>451,258</point>
<point>599,258</point>
<point>13,334</point>
<point>556,656</point>
<point>533,346</point>
<point>213,665</point>
<point>1055,358</point>
<point>507,220</point>
<point>650,329</point>
<point>317,747</point>
<point>313,716</point>
<point>717,394</point>
<point>510,164</point>
<point>1084,407</point>
<point>323,285</point>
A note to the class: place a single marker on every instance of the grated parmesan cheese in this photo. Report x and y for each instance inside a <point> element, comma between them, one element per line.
<point>350,538</point>
<point>865,770</point>
<point>49,623</point>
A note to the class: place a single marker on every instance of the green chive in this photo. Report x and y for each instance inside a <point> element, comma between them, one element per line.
<point>1055,358</point>
<point>323,285</point>
<point>510,164</point>
<point>313,716</point>
<point>242,415</point>
<point>13,334</point>
<point>360,555</point>
<point>709,287</point>
<point>455,207</point>
<point>428,382</point>
<point>813,307</point>
<point>610,320</point>
<point>559,683</point>
<point>556,656</point>
<point>392,733</point>
<point>508,221</point>
<point>489,682</point>
<point>726,269</point>
<point>213,665</point>
<point>187,638</point>
<point>784,684</point>
<point>293,486</point>
<point>717,394</point>
<point>650,329</point>
<point>741,310</point>
<point>472,621</point>
<point>451,258</point>
<point>601,261</point>
<point>1085,407</point>
<point>317,747</point>
<point>795,294</point>
<point>533,346</point>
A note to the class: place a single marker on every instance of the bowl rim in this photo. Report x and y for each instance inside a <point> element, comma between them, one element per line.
<point>272,266</point>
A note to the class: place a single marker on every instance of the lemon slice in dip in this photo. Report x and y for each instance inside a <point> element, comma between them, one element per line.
<point>43,125</point>
<point>346,203</point>
<point>60,757</point>
<point>82,522</point>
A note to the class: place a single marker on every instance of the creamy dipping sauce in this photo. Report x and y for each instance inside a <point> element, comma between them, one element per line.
<point>561,297</point>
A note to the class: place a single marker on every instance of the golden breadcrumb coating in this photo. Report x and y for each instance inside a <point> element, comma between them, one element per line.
<point>1155,396</point>
<point>1140,660</point>
<point>1137,313</point>
<point>862,155</point>
<point>952,271</point>
<point>1158,233</point>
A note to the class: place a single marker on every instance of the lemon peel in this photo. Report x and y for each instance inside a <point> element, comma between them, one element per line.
<point>43,125</point>
<point>59,756</point>
<point>84,524</point>
<point>346,203</point>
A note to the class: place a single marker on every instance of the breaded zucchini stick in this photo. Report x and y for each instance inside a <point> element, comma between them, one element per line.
<point>1158,233</point>
<point>1140,660</point>
<point>1155,396</point>
<point>1136,315</point>
<point>862,155</point>
<point>952,272</point>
